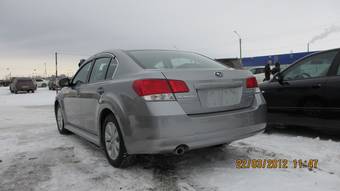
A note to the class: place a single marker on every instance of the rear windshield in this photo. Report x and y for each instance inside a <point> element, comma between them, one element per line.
<point>153,59</point>
<point>24,81</point>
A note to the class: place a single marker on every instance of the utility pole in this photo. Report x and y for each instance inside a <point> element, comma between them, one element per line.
<point>45,70</point>
<point>240,44</point>
<point>56,70</point>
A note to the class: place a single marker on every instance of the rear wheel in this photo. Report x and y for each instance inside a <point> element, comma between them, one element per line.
<point>60,121</point>
<point>113,143</point>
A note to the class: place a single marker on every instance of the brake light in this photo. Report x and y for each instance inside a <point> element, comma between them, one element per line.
<point>251,82</point>
<point>178,86</point>
<point>159,89</point>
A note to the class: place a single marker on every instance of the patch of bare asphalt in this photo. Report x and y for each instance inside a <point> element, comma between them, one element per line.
<point>29,169</point>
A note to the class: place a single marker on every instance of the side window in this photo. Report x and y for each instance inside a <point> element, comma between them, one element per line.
<point>81,76</point>
<point>112,69</point>
<point>311,67</point>
<point>338,72</point>
<point>99,69</point>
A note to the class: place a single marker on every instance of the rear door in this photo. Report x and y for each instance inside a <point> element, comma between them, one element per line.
<point>333,92</point>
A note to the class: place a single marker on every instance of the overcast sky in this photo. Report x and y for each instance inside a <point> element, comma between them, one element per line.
<point>32,30</point>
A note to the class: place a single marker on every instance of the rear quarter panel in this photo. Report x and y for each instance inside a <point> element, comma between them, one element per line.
<point>125,104</point>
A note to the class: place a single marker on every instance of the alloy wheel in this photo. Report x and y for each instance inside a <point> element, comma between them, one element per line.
<point>112,141</point>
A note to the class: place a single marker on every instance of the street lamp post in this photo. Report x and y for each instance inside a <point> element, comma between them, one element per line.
<point>9,75</point>
<point>240,43</point>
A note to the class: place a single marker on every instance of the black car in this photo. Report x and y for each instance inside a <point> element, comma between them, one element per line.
<point>307,93</point>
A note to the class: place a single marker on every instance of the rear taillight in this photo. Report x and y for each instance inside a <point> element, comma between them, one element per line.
<point>159,89</point>
<point>251,82</point>
<point>178,86</point>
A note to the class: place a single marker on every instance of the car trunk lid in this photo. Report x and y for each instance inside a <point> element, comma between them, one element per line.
<point>212,90</point>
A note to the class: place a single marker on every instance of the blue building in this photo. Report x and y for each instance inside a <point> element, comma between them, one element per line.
<point>262,60</point>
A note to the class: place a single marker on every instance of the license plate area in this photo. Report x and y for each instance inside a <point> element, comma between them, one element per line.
<point>221,97</point>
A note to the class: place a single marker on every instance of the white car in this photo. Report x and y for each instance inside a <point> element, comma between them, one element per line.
<point>258,73</point>
<point>41,83</point>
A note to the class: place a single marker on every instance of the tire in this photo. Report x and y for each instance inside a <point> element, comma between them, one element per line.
<point>113,143</point>
<point>60,121</point>
<point>32,91</point>
<point>15,91</point>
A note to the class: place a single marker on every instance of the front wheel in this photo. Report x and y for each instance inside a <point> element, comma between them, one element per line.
<point>60,121</point>
<point>113,143</point>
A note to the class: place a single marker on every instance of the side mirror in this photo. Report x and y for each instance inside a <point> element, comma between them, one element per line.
<point>63,82</point>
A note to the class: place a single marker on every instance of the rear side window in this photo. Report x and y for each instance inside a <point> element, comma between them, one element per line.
<point>153,59</point>
<point>112,69</point>
<point>81,76</point>
<point>338,72</point>
<point>99,70</point>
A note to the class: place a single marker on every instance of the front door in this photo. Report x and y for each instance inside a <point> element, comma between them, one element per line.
<point>72,101</point>
<point>302,91</point>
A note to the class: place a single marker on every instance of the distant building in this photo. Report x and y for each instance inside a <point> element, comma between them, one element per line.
<point>262,60</point>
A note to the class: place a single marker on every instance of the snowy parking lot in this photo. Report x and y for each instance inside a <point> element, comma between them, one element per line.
<point>34,156</point>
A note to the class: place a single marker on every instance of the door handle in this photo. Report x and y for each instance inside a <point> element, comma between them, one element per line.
<point>100,91</point>
<point>316,86</point>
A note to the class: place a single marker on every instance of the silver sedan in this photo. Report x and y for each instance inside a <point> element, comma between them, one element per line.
<point>158,101</point>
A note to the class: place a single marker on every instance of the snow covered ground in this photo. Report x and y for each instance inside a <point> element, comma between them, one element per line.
<point>33,156</point>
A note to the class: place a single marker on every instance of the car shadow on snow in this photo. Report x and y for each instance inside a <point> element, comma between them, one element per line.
<point>306,132</point>
<point>173,172</point>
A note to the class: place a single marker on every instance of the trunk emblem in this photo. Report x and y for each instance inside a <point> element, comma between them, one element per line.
<point>219,74</point>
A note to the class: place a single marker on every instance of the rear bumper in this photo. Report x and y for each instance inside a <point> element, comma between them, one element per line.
<point>169,127</point>
<point>24,88</point>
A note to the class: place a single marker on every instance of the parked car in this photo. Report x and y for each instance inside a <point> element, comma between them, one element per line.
<point>307,93</point>
<point>52,85</point>
<point>158,101</point>
<point>41,82</point>
<point>258,72</point>
<point>22,84</point>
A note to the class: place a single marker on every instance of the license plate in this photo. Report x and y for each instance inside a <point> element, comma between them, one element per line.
<point>25,87</point>
<point>222,97</point>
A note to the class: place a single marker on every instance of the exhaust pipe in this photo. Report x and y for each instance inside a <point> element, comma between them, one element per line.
<point>181,149</point>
